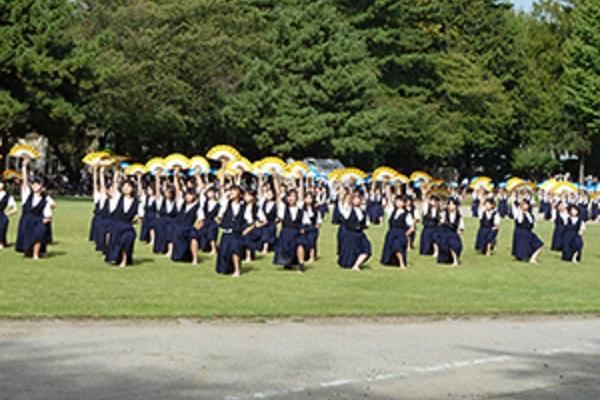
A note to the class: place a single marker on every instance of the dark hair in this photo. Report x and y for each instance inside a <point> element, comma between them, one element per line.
<point>490,201</point>
<point>574,207</point>
<point>39,180</point>
<point>237,187</point>
<point>191,191</point>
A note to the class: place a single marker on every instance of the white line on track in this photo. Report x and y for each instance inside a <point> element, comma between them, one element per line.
<point>401,375</point>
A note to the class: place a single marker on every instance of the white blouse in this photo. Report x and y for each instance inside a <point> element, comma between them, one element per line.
<point>26,191</point>
<point>12,204</point>
<point>488,215</point>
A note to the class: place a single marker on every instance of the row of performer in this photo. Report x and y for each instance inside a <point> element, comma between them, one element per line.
<point>183,216</point>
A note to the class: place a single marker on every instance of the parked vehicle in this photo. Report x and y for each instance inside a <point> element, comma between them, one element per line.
<point>324,166</point>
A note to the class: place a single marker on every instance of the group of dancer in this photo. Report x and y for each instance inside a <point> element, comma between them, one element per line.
<point>235,216</point>
<point>182,215</point>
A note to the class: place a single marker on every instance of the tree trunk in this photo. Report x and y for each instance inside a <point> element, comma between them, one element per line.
<point>582,169</point>
<point>71,171</point>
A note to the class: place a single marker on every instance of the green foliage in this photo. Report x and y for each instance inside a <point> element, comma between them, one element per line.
<point>582,74</point>
<point>409,83</point>
<point>45,73</point>
<point>313,90</point>
<point>166,68</point>
<point>543,130</point>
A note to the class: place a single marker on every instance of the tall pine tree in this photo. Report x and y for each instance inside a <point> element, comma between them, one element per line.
<point>46,75</point>
<point>582,78</point>
<point>314,90</point>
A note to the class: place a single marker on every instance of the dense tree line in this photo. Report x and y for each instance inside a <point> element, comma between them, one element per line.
<point>471,84</point>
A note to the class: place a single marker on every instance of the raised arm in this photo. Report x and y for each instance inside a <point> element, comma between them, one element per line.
<point>96,189</point>
<point>157,184</point>
<point>101,180</point>
<point>177,184</point>
<point>388,195</point>
<point>222,178</point>
<point>116,182</point>
<point>24,174</point>
<point>276,187</point>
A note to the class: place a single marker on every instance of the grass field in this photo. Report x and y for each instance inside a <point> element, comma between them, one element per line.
<point>74,282</point>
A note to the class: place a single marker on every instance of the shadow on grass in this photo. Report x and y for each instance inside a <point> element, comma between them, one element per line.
<point>142,261</point>
<point>55,253</point>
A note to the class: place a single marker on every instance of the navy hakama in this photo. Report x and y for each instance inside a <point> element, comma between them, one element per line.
<point>122,233</point>
<point>289,238</point>
<point>429,234</point>
<point>3,227</point>
<point>449,240</point>
<point>210,229</point>
<point>353,241</point>
<point>310,234</point>
<point>595,210</point>
<point>3,219</point>
<point>475,207</point>
<point>572,240</point>
<point>32,228</point>
<point>231,243</point>
<point>375,210</point>
<point>558,233</point>
<point>583,211</point>
<point>94,223</point>
<point>396,240</point>
<point>268,232</point>
<point>148,220</point>
<point>162,227</point>
<point>486,235</point>
<point>525,242</point>
<point>503,207</point>
<point>182,232</point>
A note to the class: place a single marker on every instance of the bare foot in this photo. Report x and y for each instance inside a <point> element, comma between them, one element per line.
<point>356,269</point>
<point>236,275</point>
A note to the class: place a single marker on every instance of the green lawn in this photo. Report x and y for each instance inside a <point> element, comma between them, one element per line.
<point>75,282</point>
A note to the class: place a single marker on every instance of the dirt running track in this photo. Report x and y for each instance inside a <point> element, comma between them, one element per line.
<point>528,359</point>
